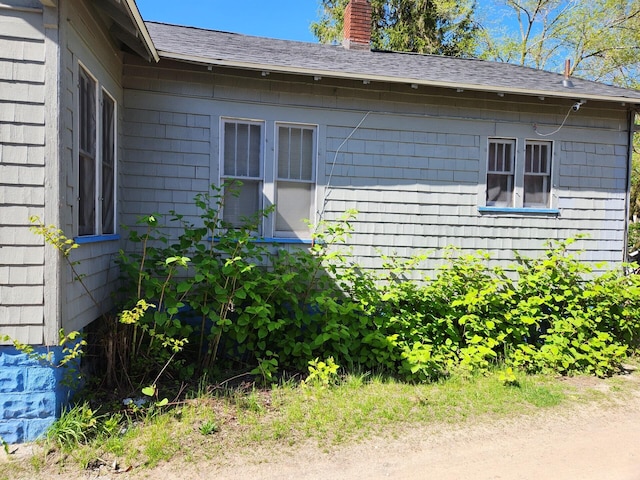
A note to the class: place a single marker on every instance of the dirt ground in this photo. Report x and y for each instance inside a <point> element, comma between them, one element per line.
<point>599,441</point>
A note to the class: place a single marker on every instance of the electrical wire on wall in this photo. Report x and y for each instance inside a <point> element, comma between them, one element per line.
<point>574,108</point>
<point>328,188</point>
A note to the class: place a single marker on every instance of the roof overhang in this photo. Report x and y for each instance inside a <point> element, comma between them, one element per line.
<point>128,26</point>
<point>569,94</point>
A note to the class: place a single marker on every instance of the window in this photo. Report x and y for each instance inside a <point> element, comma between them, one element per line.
<point>96,158</point>
<point>500,173</point>
<point>295,179</point>
<point>242,168</point>
<point>537,174</point>
<point>517,179</point>
<point>87,156</point>
<point>284,177</point>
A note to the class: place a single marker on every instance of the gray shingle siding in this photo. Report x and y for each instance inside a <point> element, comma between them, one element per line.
<point>22,140</point>
<point>414,169</point>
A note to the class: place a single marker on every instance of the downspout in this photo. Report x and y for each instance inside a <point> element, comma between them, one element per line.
<point>627,209</point>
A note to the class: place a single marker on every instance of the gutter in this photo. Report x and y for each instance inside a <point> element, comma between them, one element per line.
<point>390,79</point>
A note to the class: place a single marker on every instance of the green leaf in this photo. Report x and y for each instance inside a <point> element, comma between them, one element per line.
<point>149,391</point>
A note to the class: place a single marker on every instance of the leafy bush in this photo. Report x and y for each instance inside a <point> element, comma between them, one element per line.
<point>218,298</point>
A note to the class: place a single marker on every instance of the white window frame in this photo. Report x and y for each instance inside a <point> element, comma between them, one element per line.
<point>546,175</point>
<point>100,93</point>
<point>230,178</point>
<point>510,174</point>
<point>516,202</point>
<point>312,181</point>
<point>269,172</point>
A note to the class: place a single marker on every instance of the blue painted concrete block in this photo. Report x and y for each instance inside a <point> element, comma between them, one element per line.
<point>31,393</point>
<point>11,379</point>
<point>12,431</point>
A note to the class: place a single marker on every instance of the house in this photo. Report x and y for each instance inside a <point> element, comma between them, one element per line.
<point>104,118</point>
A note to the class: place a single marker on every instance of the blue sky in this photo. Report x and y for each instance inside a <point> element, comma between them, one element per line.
<point>286,19</point>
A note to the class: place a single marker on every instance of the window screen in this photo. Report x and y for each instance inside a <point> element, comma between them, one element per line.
<point>87,154</point>
<point>500,173</point>
<point>108,164</point>
<point>242,170</point>
<point>295,180</point>
<point>537,174</point>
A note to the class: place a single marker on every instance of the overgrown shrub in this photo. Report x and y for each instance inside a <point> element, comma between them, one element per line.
<point>247,303</point>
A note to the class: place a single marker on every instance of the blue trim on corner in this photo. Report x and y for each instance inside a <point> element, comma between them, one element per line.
<point>96,238</point>
<point>544,211</point>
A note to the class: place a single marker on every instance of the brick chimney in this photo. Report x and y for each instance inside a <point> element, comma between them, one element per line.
<point>356,31</point>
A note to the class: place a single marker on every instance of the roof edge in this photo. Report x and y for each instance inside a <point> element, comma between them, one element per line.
<point>142,28</point>
<point>389,79</point>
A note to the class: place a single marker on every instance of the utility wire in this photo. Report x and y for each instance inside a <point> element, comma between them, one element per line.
<point>535,126</point>
<point>328,188</point>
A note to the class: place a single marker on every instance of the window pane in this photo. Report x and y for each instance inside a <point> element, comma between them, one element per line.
<point>108,160</point>
<point>295,158</point>
<point>295,153</point>
<point>500,157</point>
<point>293,206</point>
<point>245,202</point>
<point>254,150</point>
<point>87,154</point>
<point>87,113</point>
<point>307,155</point>
<point>242,149</point>
<point>500,174</point>
<point>499,190</point>
<point>283,152</point>
<point>229,152</point>
<point>536,191</point>
<point>86,205</point>
<point>537,178</point>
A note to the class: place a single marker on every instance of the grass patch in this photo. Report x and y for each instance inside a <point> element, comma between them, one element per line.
<point>215,427</point>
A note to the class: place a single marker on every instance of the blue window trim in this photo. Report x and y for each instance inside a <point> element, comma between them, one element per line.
<point>96,238</point>
<point>298,241</point>
<point>543,211</point>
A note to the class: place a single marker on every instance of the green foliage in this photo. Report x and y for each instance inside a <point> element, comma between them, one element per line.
<point>208,427</point>
<point>633,234</point>
<point>443,27</point>
<point>598,36</point>
<point>73,345</point>
<point>322,373</point>
<point>79,425</point>
<point>270,310</point>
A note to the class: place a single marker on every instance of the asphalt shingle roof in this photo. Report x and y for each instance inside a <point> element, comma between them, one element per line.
<point>232,49</point>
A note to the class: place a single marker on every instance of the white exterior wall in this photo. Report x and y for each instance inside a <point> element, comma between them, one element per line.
<point>23,57</point>
<point>415,169</point>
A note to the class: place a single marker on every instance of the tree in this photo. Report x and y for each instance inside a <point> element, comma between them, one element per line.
<point>445,27</point>
<point>600,37</point>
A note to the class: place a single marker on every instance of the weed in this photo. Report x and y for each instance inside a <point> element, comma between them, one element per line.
<point>208,427</point>
<point>75,426</point>
<point>322,373</point>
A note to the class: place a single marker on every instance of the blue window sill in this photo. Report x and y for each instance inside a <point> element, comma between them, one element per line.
<point>298,241</point>
<point>543,211</point>
<point>96,238</point>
